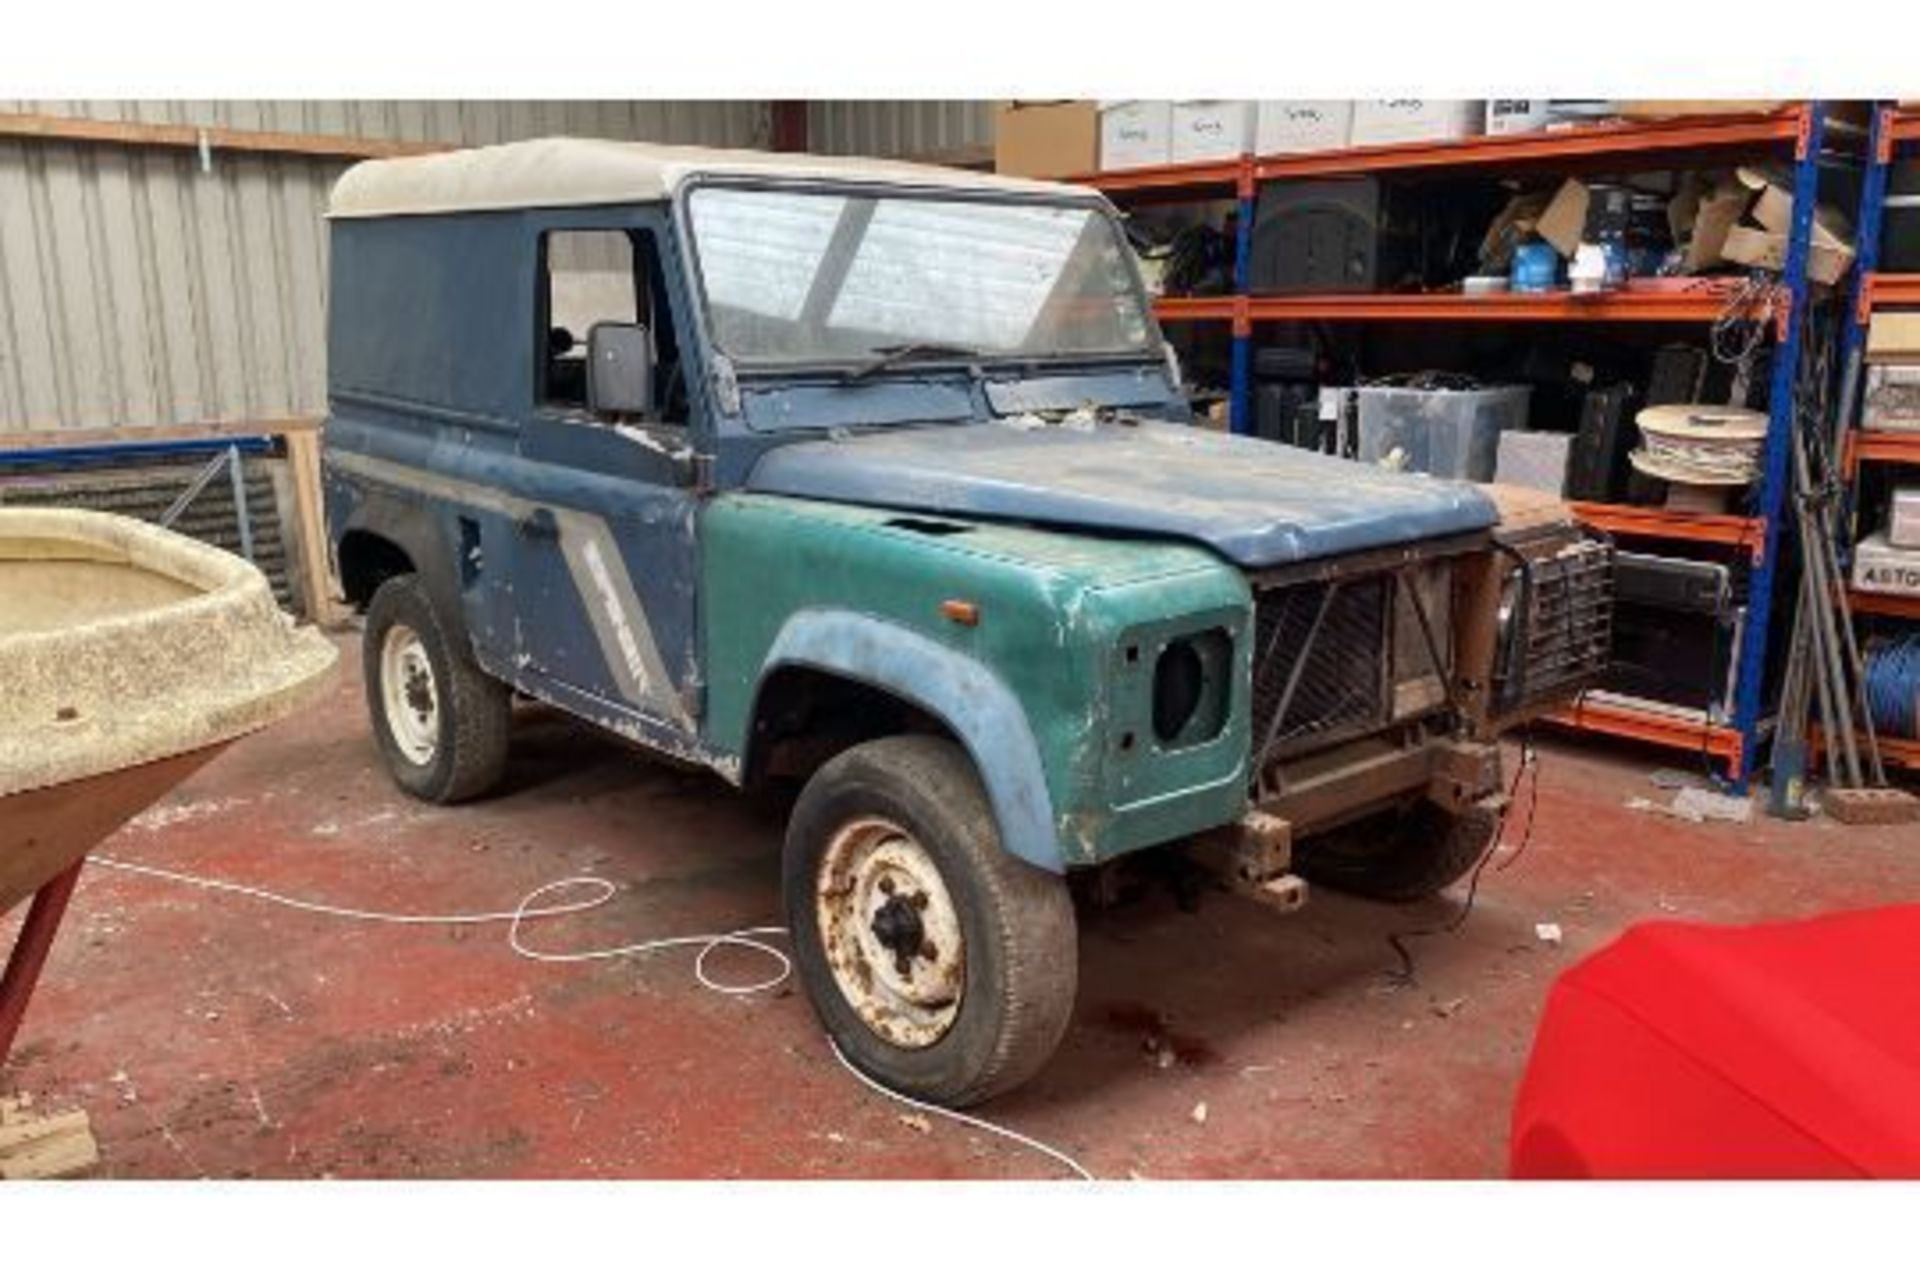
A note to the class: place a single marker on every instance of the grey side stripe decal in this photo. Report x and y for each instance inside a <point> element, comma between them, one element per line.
<point>593,559</point>
<point>446,488</point>
<point>620,625</point>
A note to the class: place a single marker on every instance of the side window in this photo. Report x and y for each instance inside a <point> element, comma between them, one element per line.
<point>589,277</point>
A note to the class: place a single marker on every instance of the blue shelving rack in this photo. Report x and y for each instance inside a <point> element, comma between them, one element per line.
<point>1894,133</point>
<point>1799,133</point>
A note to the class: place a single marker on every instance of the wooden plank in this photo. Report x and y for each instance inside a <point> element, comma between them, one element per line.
<point>316,574</point>
<point>48,1147</point>
<point>14,441</point>
<point>274,142</point>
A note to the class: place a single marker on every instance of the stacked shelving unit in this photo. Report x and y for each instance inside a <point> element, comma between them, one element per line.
<point>1894,133</point>
<point>1796,134</point>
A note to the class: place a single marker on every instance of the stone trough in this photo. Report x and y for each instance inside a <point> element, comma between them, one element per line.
<point>129,657</point>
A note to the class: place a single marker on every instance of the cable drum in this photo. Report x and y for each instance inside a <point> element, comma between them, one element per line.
<point>1893,686</point>
<point>1700,444</point>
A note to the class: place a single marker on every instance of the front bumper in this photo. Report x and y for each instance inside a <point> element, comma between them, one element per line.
<point>1254,856</point>
<point>1348,782</point>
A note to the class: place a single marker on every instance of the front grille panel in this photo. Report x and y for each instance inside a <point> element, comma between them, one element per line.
<point>1342,685</point>
<point>1562,637</point>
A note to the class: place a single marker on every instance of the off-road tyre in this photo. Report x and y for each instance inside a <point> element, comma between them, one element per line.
<point>1016,922</point>
<point>468,750</point>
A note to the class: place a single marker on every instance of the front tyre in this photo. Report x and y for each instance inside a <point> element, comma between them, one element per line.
<point>442,723</point>
<point>941,965</point>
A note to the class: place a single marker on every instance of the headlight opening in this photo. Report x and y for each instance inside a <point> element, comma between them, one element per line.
<point>1191,688</point>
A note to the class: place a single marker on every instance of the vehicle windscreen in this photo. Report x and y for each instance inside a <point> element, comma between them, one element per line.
<point>814,277</point>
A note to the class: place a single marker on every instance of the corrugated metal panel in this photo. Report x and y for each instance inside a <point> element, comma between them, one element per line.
<point>942,130</point>
<point>136,289</point>
<point>144,490</point>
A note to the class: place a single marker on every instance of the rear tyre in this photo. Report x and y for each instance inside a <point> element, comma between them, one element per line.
<point>442,722</point>
<point>941,965</point>
<point>1399,856</point>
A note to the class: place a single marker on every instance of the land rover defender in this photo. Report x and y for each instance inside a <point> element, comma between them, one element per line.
<point>880,478</point>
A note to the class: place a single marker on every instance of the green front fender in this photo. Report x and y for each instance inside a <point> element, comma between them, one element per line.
<point>964,694</point>
<point>1050,692</point>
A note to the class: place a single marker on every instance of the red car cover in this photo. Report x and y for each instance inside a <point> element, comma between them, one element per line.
<point>1700,1051</point>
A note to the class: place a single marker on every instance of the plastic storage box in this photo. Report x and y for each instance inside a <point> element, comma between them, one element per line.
<point>1884,569</point>
<point>1893,398</point>
<point>1302,124</point>
<point>1383,121</point>
<point>1903,519</point>
<point>1447,433</point>
<point>1135,134</point>
<point>1211,129</point>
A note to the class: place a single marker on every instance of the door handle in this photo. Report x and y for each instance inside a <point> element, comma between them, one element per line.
<point>539,523</point>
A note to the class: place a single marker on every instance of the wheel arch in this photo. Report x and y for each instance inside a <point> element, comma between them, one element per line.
<point>962,695</point>
<point>385,536</point>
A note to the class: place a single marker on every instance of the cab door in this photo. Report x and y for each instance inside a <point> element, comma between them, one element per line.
<point>606,565</point>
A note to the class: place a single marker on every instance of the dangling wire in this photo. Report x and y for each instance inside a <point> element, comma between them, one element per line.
<point>1529,765</point>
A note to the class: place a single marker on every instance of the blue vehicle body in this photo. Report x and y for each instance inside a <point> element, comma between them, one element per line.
<point>571,553</point>
<point>1256,505</point>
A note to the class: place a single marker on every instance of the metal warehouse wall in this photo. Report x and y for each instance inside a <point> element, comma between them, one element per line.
<point>137,289</point>
<point>945,130</point>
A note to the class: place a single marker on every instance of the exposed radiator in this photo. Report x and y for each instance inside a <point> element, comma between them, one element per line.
<point>1342,681</point>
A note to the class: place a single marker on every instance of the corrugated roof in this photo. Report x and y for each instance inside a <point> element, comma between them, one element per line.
<point>554,172</point>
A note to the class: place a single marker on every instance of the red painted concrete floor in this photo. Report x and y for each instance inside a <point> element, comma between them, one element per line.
<point>213,1036</point>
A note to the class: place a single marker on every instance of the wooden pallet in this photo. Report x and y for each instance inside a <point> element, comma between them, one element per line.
<point>55,1146</point>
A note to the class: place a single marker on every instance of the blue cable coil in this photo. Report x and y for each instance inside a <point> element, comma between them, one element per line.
<point>1893,686</point>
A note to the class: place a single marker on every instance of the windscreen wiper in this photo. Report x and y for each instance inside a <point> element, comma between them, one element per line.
<point>887,357</point>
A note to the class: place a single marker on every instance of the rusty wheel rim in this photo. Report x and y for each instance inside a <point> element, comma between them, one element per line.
<point>891,932</point>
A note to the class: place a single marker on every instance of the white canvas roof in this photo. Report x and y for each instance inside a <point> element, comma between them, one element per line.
<point>551,172</point>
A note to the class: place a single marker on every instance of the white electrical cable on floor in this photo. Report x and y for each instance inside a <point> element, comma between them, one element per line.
<point>603,891</point>
<point>960,1117</point>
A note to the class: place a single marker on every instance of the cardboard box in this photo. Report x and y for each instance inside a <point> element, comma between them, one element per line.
<point>1135,134</point>
<point>1827,258</point>
<point>1517,222</point>
<point>1516,115</point>
<point>1668,108</point>
<point>1288,126</point>
<point>1211,129</point>
<point>1046,139</point>
<point>1379,121</point>
<point>1773,210</point>
<point>1705,225</point>
<point>1710,223</point>
<point>1893,337</point>
<point>1565,219</point>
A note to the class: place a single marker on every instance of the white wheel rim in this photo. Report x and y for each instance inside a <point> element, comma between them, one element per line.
<point>408,694</point>
<point>891,933</point>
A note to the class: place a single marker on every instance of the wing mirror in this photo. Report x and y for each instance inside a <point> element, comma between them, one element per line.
<point>619,369</point>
